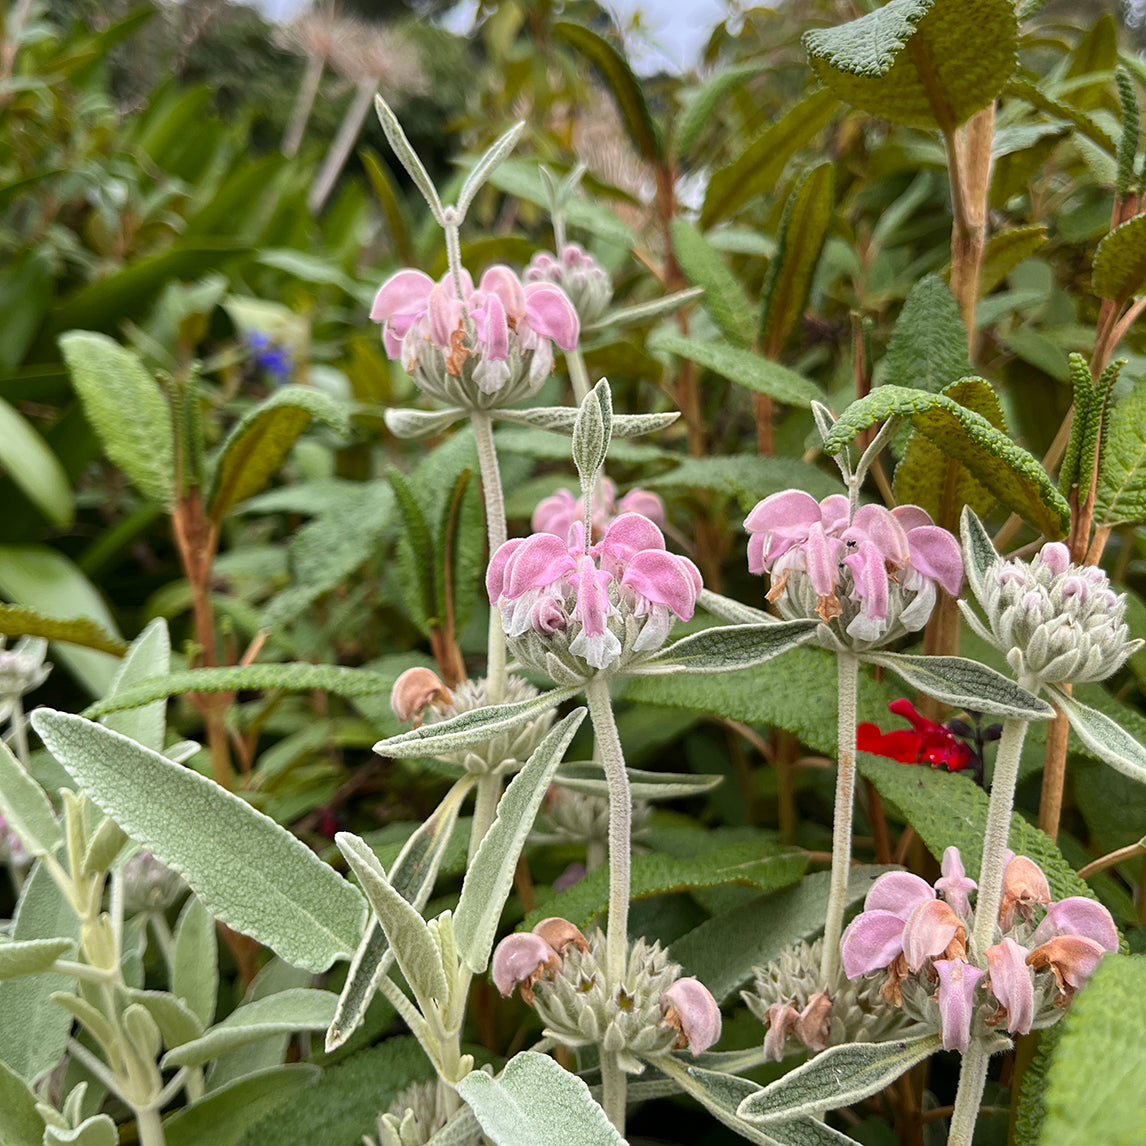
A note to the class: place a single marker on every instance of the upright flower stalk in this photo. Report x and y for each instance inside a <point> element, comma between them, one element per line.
<point>848,676</point>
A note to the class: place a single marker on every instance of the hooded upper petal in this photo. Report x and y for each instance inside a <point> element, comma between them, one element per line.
<point>1012,985</point>
<point>957,981</point>
<point>549,312</point>
<point>935,553</point>
<point>664,579</point>
<point>404,293</point>
<point>870,942</point>
<point>900,892</point>
<point>540,560</point>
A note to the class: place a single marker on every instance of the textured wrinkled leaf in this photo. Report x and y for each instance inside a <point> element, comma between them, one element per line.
<point>32,465</point>
<point>723,297</point>
<point>25,805</point>
<point>1104,737</point>
<point>727,648</point>
<point>561,420</point>
<point>1120,261</point>
<point>420,423</point>
<point>756,170</point>
<point>536,1102</point>
<point>728,609</point>
<point>418,559</point>
<point>1004,251</point>
<point>31,956</point>
<point>249,872</point>
<point>126,409</point>
<point>489,878</point>
<point>300,1009</point>
<point>592,430</point>
<point>928,348</point>
<point>803,228</point>
<point>1121,493</point>
<point>470,727</point>
<point>588,777</point>
<point>964,683</point>
<point>746,478</point>
<point>16,621</point>
<point>740,366</point>
<point>194,960</point>
<point>149,656</point>
<point>1030,1111</point>
<point>257,447</point>
<point>923,63</point>
<point>1093,1093</point>
<point>837,1077</point>
<point>20,1124</point>
<point>762,865</point>
<point>1003,467</point>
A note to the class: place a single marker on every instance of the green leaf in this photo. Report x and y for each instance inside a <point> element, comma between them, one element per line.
<point>1120,261</point>
<point>149,656</point>
<point>702,103</point>
<point>25,805</point>
<point>1004,468</point>
<point>536,1102</point>
<point>592,431</point>
<point>928,348</point>
<point>300,1009</point>
<point>622,85</point>
<point>746,478</point>
<point>762,865</point>
<point>34,467</point>
<point>1030,1110</point>
<point>562,419</point>
<point>979,552</point>
<point>126,409</point>
<point>588,777</point>
<point>194,960</point>
<point>489,878</point>
<point>1103,736</point>
<point>495,155</point>
<point>225,1114</point>
<point>726,648</point>
<point>803,228</point>
<point>420,423</point>
<point>757,169</point>
<point>837,1077</point>
<point>1121,493</point>
<point>249,872</point>
<point>31,956</point>
<point>1092,1093</point>
<point>964,683</point>
<point>18,621</point>
<point>922,63</point>
<point>1084,405</point>
<point>1004,251</point>
<point>417,556</point>
<point>723,298</point>
<point>741,366</point>
<point>257,447</point>
<point>99,1130</point>
<point>20,1124</point>
<point>104,846</point>
<point>641,313</point>
<point>414,947</point>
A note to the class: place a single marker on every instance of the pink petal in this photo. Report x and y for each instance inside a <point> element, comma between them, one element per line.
<point>869,572</point>
<point>928,932</point>
<point>499,280</point>
<point>645,503</point>
<point>555,514</point>
<point>821,555</point>
<point>935,553</point>
<point>835,513</point>
<point>872,940</point>
<point>1012,985</point>
<point>957,981</point>
<point>790,510</point>
<point>519,958</point>
<point>911,517</point>
<point>1055,556</point>
<point>403,293</point>
<point>696,1013</point>
<point>541,560</point>
<point>881,527</point>
<point>899,892</point>
<point>593,605</point>
<point>628,535</point>
<point>550,313</point>
<point>445,313</point>
<point>493,329</point>
<point>1077,915</point>
<point>1072,958</point>
<point>954,884</point>
<point>664,579</point>
<point>495,574</point>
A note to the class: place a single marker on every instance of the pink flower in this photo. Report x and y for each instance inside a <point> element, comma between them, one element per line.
<point>519,961</point>
<point>689,1006</point>
<point>1013,985</point>
<point>957,982</point>
<point>558,513</point>
<point>954,884</point>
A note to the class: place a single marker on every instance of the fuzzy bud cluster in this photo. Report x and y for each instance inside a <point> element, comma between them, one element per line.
<point>918,936</point>
<point>22,670</point>
<point>583,818</point>
<point>556,514</point>
<point>579,275</point>
<point>417,1113</point>
<point>1057,622</point>
<point>149,884</point>
<point>561,974</point>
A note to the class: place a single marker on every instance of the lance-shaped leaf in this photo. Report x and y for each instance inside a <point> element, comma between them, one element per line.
<point>641,313</point>
<point>964,683</point>
<point>727,648</point>
<point>412,875</point>
<point>420,423</point>
<point>31,464</point>
<point>701,103</point>
<point>31,956</point>
<point>177,1023</point>
<point>408,157</point>
<point>194,960</point>
<point>592,432</point>
<point>536,1102</point>
<point>1004,468</point>
<point>740,366</point>
<point>149,656</point>
<point>20,1125</point>
<point>704,267</point>
<point>497,154</point>
<point>25,805</point>
<point>1121,493</point>
<point>470,727</point>
<point>257,447</point>
<point>490,876</point>
<point>836,1077</point>
<point>979,552</point>
<point>1103,736</point>
<point>728,609</point>
<point>17,621</point>
<point>588,777</point>
<point>1120,261</point>
<point>803,228</point>
<point>562,419</point>
<point>414,946</point>
<point>126,409</point>
<point>928,348</point>
<point>922,63</point>
<point>248,871</point>
<point>299,1009</point>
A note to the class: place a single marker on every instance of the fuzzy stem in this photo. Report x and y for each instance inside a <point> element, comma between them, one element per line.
<point>150,1127</point>
<point>614,1085</point>
<point>454,258</point>
<point>496,533</point>
<point>19,731</point>
<point>578,375</point>
<point>485,808</point>
<point>972,1079</point>
<point>848,677</point>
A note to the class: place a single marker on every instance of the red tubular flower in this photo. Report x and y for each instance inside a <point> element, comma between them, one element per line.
<point>925,743</point>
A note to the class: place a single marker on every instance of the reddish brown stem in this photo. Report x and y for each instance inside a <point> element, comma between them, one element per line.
<point>878,821</point>
<point>1054,773</point>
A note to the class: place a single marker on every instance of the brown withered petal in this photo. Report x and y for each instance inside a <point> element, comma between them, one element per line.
<point>892,991</point>
<point>1071,957</point>
<point>417,688</point>
<point>814,1023</point>
<point>560,933</point>
<point>933,931</point>
<point>1023,886</point>
<point>781,1019</point>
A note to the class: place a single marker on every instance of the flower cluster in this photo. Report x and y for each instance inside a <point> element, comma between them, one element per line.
<point>557,514</point>
<point>1058,622</point>
<point>559,973</point>
<point>417,1113</point>
<point>579,275</point>
<point>480,348</point>
<point>22,670</point>
<point>869,577</point>
<point>917,935</point>
<point>569,608</point>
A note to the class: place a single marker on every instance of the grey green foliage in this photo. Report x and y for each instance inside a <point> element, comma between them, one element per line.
<point>727,648</point>
<point>25,805</point>
<point>1103,736</point>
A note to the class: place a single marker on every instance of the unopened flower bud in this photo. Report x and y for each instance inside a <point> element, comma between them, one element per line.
<point>149,884</point>
<point>416,689</point>
<point>579,275</point>
<point>689,1006</point>
<point>520,960</point>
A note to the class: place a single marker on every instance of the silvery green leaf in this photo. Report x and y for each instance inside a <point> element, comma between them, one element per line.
<point>490,876</point>
<point>486,165</point>
<point>561,419</point>
<point>965,684</point>
<point>470,727</point>
<point>176,1022</point>
<point>836,1077</point>
<point>591,432</point>
<point>99,1130</point>
<point>149,656</point>
<point>728,609</point>
<point>31,956</point>
<point>536,1102</point>
<point>249,872</point>
<point>461,1130</point>
<point>408,157</point>
<point>403,423</point>
<point>106,843</point>
<point>194,960</point>
<point>20,1125</point>
<point>588,777</point>
<point>412,876</point>
<point>979,552</point>
<point>300,1009</point>
<point>727,648</point>
<point>414,947</point>
<point>24,804</point>
<point>1103,736</point>
<point>646,311</point>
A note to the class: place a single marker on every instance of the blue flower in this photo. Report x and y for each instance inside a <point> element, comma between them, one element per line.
<point>272,358</point>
